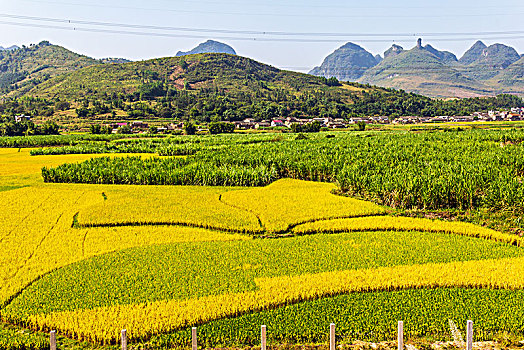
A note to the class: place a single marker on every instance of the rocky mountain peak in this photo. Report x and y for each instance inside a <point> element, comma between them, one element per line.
<point>394,50</point>
<point>347,63</point>
<point>209,46</point>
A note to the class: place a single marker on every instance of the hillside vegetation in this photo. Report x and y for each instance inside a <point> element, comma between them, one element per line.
<point>201,71</point>
<point>23,68</point>
<point>211,87</point>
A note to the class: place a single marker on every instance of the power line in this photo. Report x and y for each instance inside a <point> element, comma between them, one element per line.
<point>253,32</point>
<point>262,39</point>
<point>497,34</point>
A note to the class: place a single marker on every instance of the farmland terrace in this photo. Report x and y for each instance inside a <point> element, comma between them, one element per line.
<point>227,233</point>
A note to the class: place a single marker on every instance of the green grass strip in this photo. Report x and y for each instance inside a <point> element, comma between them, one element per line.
<point>369,316</point>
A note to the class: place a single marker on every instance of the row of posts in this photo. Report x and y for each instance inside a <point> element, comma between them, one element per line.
<point>263,341</point>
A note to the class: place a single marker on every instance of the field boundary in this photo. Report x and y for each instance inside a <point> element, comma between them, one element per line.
<point>494,235</point>
<point>168,223</point>
<point>264,229</point>
<point>276,292</point>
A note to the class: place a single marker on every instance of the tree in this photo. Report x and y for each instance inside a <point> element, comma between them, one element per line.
<point>190,128</point>
<point>333,82</point>
<point>310,127</point>
<point>50,128</point>
<point>361,126</point>
<point>62,105</point>
<point>313,127</point>
<point>83,112</point>
<point>126,129</point>
<point>152,90</point>
<point>221,128</point>
<point>95,129</point>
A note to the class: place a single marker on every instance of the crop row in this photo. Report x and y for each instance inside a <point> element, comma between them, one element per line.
<point>428,170</point>
<point>96,148</point>
<point>385,223</point>
<point>60,140</point>
<point>164,146</point>
<point>368,316</point>
<point>14,339</point>
<point>103,324</point>
<point>284,203</point>
<point>154,205</point>
<point>157,171</point>
<point>184,283</point>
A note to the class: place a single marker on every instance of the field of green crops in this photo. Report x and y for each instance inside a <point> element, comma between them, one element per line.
<point>178,236</point>
<point>368,317</point>
<point>462,170</point>
<point>194,270</point>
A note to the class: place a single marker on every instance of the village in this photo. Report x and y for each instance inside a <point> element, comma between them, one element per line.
<point>515,114</point>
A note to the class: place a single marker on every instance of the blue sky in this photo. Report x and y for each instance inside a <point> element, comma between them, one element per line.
<point>335,16</point>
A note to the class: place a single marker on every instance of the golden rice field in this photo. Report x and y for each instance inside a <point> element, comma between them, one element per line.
<point>90,260</point>
<point>191,205</point>
<point>287,203</point>
<point>145,319</point>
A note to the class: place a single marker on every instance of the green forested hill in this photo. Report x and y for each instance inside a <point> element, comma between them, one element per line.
<point>212,87</point>
<point>195,72</point>
<point>215,86</point>
<point>23,68</point>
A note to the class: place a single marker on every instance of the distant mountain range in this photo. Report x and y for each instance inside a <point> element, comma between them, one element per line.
<point>347,63</point>
<point>23,68</point>
<point>11,48</point>
<point>481,71</point>
<point>209,46</point>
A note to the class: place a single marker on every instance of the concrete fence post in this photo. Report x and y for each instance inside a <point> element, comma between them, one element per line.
<point>123,339</point>
<point>194,344</point>
<point>469,336</point>
<point>332,342</point>
<point>263,338</point>
<point>400,335</point>
<point>52,340</point>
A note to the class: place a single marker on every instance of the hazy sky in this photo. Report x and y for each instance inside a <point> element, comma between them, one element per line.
<point>305,16</point>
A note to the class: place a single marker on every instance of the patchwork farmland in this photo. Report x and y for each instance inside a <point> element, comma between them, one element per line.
<point>227,233</point>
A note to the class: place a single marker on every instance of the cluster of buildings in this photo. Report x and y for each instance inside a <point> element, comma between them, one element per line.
<point>328,122</point>
<point>139,126</point>
<point>337,123</point>
<point>515,114</point>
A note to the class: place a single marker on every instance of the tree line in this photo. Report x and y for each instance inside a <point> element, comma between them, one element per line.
<point>156,100</point>
<point>10,127</point>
